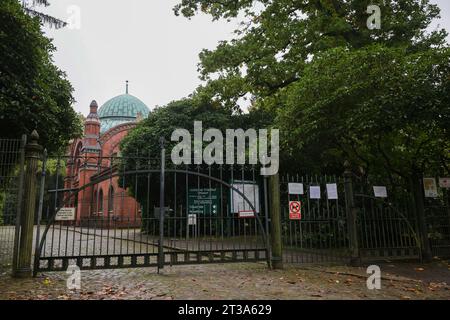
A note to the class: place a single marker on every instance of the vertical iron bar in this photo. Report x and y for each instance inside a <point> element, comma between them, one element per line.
<point>161,207</point>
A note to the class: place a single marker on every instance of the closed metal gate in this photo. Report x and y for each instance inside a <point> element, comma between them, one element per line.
<point>320,234</point>
<point>385,227</point>
<point>143,212</point>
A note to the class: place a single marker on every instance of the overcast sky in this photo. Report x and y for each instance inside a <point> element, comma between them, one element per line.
<point>141,41</point>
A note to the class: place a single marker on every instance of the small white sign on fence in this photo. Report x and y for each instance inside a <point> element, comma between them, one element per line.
<point>295,188</point>
<point>430,187</point>
<point>314,192</point>
<point>192,219</point>
<point>332,192</point>
<point>65,214</point>
<point>380,191</point>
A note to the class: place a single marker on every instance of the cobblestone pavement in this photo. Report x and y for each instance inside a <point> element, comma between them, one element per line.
<point>238,281</point>
<point>222,281</point>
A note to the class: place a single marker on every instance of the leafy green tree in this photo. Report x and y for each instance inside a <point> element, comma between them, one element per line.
<point>278,38</point>
<point>34,93</point>
<point>140,149</point>
<point>144,139</point>
<point>385,110</point>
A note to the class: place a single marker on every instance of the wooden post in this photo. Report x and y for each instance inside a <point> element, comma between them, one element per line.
<point>351,212</point>
<point>32,155</point>
<point>275,220</point>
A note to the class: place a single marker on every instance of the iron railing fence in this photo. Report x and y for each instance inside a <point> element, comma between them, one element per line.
<point>386,227</point>
<point>387,230</point>
<point>320,235</point>
<point>116,220</point>
<point>11,173</point>
<point>117,216</point>
<point>437,213</point>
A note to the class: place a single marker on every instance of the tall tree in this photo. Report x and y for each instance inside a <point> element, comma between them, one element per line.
<point>386,111</point>
<point>278,38</point>
<point>30,7</point>
<point>34,93</point>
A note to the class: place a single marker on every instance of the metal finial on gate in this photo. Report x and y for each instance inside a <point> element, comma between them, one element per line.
<point>34,137</point>
<point>347,164</point>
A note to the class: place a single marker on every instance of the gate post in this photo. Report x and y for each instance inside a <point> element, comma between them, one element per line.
<point>275,220</point>
<point>32,155</point>
<point>351,211</point>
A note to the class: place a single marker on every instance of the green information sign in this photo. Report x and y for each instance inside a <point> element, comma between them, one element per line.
<point>204,201</point>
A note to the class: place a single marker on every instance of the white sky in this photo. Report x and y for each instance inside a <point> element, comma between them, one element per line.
<point>141,41</point>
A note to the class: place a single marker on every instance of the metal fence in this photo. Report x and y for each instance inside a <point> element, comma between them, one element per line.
<point>320,235</point>
<point>11,185</point>
<point>437,212</point>
<point>386,228</point>
<point>116,220</point>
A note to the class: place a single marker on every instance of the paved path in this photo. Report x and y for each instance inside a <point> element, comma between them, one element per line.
<point>237,281</point>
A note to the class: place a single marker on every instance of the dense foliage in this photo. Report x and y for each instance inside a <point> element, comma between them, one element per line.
<point>278,38</point>
<point>34,93</point>
<point>386,111</point>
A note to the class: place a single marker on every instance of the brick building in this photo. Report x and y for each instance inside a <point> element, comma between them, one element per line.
<point>91,159</point>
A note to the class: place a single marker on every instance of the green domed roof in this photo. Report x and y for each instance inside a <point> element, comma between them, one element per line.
<point>121,109</point>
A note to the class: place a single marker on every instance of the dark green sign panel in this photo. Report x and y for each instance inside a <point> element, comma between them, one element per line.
<point>204,201</point>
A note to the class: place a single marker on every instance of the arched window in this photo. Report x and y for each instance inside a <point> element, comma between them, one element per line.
<point>111,200</point>
<point>100,202</point>
<point>94,204</point>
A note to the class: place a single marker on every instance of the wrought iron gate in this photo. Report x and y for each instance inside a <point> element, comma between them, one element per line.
<point>386,229</point>
<point>320,234</point>
<point>210,214</point>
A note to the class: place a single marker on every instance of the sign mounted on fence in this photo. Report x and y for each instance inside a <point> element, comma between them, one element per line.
<point>192,219</point>
<point>314,192</point>
<point>380,191</point>
<point>332,192</point>
<point>204,201</point>
<point>295,210</point>
<point>65,214</point>
<point>444,183</point>
<point>247,214</point>
<point>430,187</point>
<point>295,188</point>
<point>251,192</point>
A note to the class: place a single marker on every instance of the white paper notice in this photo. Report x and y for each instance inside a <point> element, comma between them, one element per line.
<point>430,188</point>
<point>251,192</point>
<point>192,219</point>
<point>295,188</point>
<point>380,191</point>
<point>314,192</point>
<point>65,214</point>
<point>332,191</point>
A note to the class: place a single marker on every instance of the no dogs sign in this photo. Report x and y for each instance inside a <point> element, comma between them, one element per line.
<point>295,210</point>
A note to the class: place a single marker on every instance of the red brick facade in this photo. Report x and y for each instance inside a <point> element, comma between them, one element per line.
<point>89,160</point>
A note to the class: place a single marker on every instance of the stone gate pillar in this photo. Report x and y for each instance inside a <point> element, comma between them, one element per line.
<point>33,153</point>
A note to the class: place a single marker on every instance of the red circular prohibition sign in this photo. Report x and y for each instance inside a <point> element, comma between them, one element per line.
<point>295,207</point>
